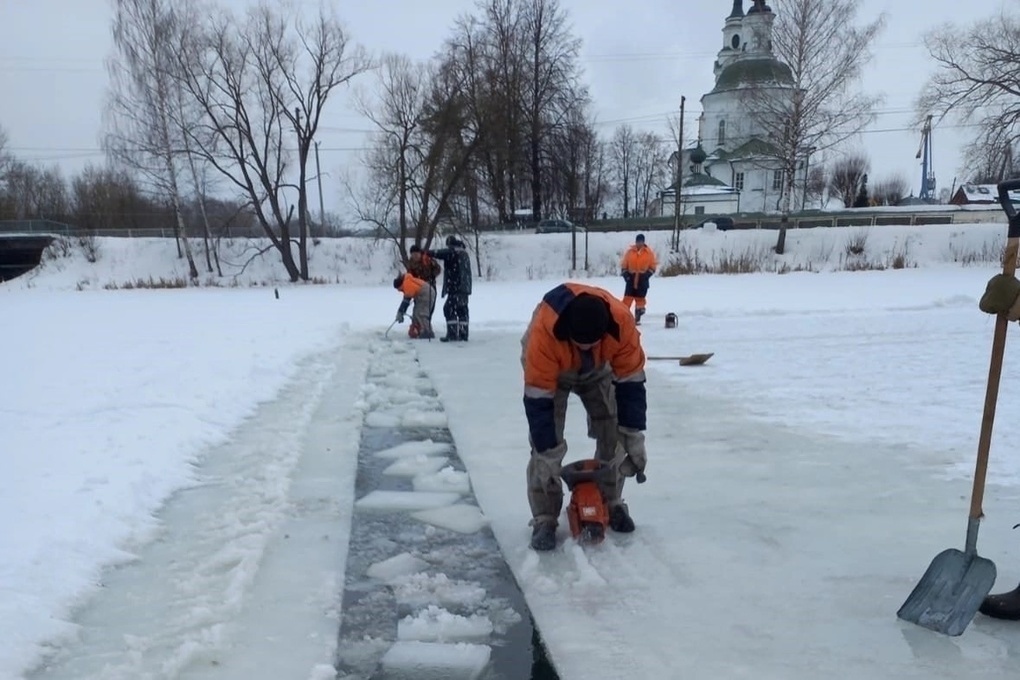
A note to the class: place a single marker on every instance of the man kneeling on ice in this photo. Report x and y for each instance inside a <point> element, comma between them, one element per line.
<point>581,339</point>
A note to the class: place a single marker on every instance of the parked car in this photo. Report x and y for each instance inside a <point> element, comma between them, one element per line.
<point>721,223</point>
<point>556,227</point>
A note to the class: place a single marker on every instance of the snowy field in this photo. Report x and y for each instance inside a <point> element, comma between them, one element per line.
<point>197,446</point>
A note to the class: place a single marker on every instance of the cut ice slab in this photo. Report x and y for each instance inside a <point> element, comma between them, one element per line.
<point>446,479</point>
<point>400,501</point>
<point>426,447</point>
<point>414,660</point>
<point>397,568</point>
<point>412,466</point>
<point>436,624</point>
<point>462,518</point>
<point>419,589</point>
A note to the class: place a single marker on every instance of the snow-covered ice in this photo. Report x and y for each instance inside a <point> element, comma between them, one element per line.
<point>196,448</point>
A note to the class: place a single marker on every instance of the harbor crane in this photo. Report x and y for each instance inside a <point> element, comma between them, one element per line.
<point>924,153</point>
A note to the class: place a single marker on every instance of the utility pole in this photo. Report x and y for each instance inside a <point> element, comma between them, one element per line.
<point>318,176</point>
<point>679,177</point>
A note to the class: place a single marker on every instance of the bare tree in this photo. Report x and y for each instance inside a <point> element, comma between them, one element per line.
<point>420,152</point>
<point>997,164</point>
<point>890,190</point>
<point>262,86</point>
<point>847,176</point>
<point>622,154</point>
<point>816,187</point>
<point>520,74</point>
<point>571,166</point>
<point>108,198</point>
<point>143,104</point>
<point>5,155</point>
<point>486,50</point>
<point>595,173</point>
<point>650,169</point>
<point>825,49</point>
<point>552,91</point>
<point>978,84</point>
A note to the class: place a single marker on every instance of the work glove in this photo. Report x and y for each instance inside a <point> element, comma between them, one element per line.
<point>1001,296</point>
<point>624,274</point>
<point>633,443</point>
<point>400,318</point>
<point>548,463</point>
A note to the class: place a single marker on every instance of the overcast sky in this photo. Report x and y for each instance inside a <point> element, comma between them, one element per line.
<point>639,57</point>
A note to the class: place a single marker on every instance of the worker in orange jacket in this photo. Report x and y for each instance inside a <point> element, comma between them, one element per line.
<point>636,267</point>
<point>423,294</point>
<point>582,340</point>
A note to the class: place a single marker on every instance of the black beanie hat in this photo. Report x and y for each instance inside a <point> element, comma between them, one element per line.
<point>587,318</point>
<point>640,238</point>
<point>415,248</point>
<point>398,282</point>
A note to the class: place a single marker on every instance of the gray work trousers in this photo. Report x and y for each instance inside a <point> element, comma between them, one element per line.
<point>598,396</point>
<point>421,313</point>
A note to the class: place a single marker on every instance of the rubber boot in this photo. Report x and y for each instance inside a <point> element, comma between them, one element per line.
<point>463,331</point>
<point>1003,606</point>
<point>451,332</point>
<point>638,313</point>
<point>543,536</point>
<point>619,519</point>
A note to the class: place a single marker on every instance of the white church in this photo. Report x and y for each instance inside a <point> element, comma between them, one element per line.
<point>733,168</point>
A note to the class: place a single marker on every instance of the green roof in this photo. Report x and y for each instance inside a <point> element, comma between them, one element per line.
<point>700,179</point>
<point>749,72</point>
<point>750,148</point>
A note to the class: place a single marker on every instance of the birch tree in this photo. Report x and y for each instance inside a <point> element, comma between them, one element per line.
<point>826,49</point>
<point>144,104</point>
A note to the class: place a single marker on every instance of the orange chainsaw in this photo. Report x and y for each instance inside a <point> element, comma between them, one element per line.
<point>587,513</point>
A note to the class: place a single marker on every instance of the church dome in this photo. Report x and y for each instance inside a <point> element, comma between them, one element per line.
<point>749,72</point>
<point>698,156</point>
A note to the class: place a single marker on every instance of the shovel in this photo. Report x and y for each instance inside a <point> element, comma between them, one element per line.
<point>949,594</point>
<point>689,360</point>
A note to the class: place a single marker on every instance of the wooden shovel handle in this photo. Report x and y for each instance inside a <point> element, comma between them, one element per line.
<point>998,352</point>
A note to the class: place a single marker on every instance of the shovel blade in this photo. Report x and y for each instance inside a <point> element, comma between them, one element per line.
<point>695,359</point>
<point>949,594</point>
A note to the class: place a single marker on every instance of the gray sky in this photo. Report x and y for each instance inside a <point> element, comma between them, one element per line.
<point>639,56</point>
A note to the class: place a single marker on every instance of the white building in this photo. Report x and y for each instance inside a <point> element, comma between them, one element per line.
<point>734,161</point>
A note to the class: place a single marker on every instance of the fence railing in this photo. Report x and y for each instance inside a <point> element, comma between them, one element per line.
<point>871,218</point>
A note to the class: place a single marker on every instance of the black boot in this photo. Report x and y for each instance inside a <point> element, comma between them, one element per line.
<point>451,332</point>
<point>543,536</point>
<point>619,519</point>
<point>638,313</point>
<point>463,331</point>
<point>1003,606</point>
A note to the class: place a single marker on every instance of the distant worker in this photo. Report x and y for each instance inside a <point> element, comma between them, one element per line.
<point>636,267</point>
<point>423,294</point>
<point>425,268</point>
<point>456,287</point>
<point>582,340</point>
